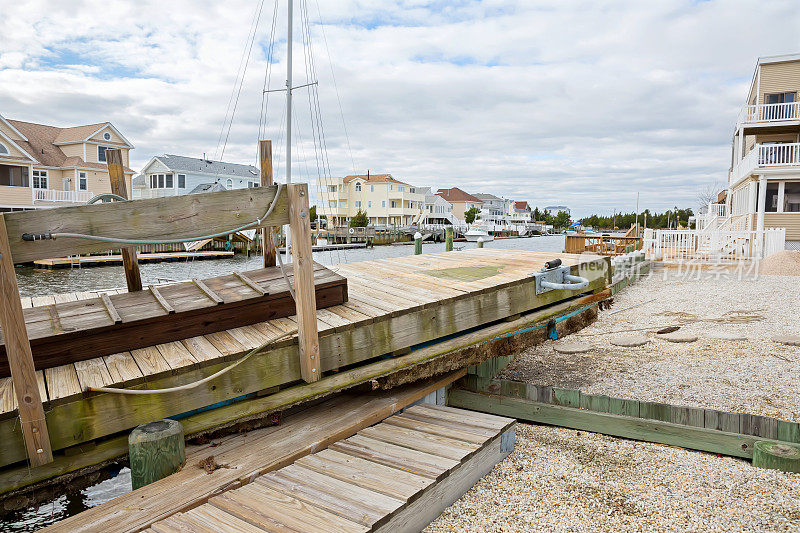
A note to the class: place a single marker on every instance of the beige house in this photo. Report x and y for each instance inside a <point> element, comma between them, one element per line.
<point>386,200</point>
<point>764,177</point>
<point>460,200</point>
<point>47,166</point>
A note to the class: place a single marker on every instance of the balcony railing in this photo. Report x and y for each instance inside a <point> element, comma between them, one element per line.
<point>52,195</point>
<point>767,156</point>
<point>769,112</point>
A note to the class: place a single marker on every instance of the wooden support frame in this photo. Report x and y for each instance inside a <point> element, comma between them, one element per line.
<point>20,359</point>
<point>265,165</point>
<point>116,173</point>
<point>303,265</point>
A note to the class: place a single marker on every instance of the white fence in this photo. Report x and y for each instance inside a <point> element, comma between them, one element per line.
<point>719,246</point>
<point>765,156</point>
<point>52,195</point>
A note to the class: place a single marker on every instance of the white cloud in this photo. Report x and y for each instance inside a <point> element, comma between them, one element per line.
<point>570,102</point>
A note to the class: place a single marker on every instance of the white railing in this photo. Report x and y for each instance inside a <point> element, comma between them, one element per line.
<point>52,195</point>
<point>719,246</point>
<point>766,156</point>
<point>769,112</point>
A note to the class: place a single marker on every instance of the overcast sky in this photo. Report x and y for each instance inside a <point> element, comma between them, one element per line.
<point>581,103</point>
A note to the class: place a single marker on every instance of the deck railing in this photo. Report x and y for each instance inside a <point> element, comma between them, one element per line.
<point>52,195</point>
<point>767,156</point>
<point>719,246</point>
<point>770,112</point>
<point>611,245</point>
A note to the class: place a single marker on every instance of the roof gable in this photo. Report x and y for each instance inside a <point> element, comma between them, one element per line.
<point>457,195</point>
<point>374,178</point>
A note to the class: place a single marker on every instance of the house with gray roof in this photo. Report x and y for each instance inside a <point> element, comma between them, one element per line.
<point>173,175</point>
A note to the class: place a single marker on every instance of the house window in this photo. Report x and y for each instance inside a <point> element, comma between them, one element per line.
<point>83,181</point>
<point>161,181</point>
<point>229,184</point>
<point>181,181</point>
<point>779,112</point>
<point>401,188</point>
<point>383,203</point>
<point>168,181</point>
<point>394,204</point>
<point>39,179</point>
<point>371,188</point>
<point>358,204</point>
<point>358,187</point>
<point>331,188</point>
<point>101,153</point>
<point>331,203</point>
<point>107,136</point>
<point>369,203</point>
<point>3,149</point>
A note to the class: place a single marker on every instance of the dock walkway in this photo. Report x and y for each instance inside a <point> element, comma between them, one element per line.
<point>394,305</point>
<point>116,259</point>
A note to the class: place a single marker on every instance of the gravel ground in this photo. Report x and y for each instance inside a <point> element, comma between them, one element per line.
<point>563,480</point>
<point>755,375</point>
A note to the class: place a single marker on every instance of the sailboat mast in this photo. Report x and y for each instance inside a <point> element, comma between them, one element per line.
<point>289,117</point>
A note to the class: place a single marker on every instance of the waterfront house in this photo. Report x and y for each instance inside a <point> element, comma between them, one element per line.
<point>386,200</point>
<point>48,166</point>
<point>764,177</point>
<point>460,200</point>
<point>521,213</point>
<point>173,175</point>
<point>438,211</point>
<point>493,209</point>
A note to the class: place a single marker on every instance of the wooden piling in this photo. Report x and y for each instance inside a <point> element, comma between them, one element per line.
<point>417,243</point>
<point>448,239</point>
<point>480,242</point>
<point>116,173</point>
<point>265,166</point>
<point>156,450</point>
<point>20,359</point>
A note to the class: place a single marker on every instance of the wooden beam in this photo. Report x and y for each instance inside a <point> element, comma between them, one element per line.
<point>20,359</point>
<point>161,300</point>
<point>112,311</point>
<point>303,265</point>
<point>250,283</point>
<point>265,165</point>
<point>176,217</point>
<point>692,437</point>
<point>116,173</point>
<point>211,294</point>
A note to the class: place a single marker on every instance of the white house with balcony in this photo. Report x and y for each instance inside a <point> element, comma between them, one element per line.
<point>173,175</point>
<point>49,166</point>
<point>386,200</point>
<point>764,177</point>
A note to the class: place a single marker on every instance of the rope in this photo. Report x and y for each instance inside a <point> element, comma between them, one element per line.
<point>119,240</point>
<point>195,384</point>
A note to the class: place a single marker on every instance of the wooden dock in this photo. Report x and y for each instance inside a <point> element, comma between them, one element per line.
<point>394,305</point>
<point>84,261</point>
<point>396,476</point>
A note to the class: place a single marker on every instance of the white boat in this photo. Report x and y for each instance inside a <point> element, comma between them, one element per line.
<point>475,232</point>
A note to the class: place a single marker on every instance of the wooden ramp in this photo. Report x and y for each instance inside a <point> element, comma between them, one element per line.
<point>396,476</point>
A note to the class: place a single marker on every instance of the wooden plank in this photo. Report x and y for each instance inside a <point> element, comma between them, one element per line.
<point>248,456</point>
<point>208,292</point>
<point>471,417</point>
<point>422,464</point>
<point>174,217</point>
<point>463,434</point>
<point>373,476</point>
<point>302,264</point>
<point>722,421</point>
<point>116,173</point>
<point>122,367</point>
<point>92,373</point>
<point>570,398</point>
<point>250,283</point>
<point>418,440</point>
<point>214,519</point>
<point>20,359</point>
<point>160,299</point>
<point>62,381</point>
<point>651,430</point>
<point>112,311</point>
<point>431,502</point>
<point>275,511</point>
<point>150,360</point>
<point>265,171</point>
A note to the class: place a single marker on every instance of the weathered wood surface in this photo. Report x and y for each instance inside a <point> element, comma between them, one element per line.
<point>20,361</point>
<point>248,456</point>
<point>265,170</point>
<point>379,323</point>
<point>175,217</point>
<point>133,276</point>
<point>77,330</point>
<point>155,450</point>
<point>354,487</point>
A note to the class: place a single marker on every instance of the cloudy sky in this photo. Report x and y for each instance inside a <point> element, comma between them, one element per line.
<point>583,103</point>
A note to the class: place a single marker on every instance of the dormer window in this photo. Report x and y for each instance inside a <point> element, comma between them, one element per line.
<point>358,187</point>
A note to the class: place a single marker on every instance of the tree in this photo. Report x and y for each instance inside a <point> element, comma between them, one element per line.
<point>709,194</point>
<point>312,213</point>
<point>561,220</point>
<point>360,220</point>
<point>537,216</point>
<point>470,214</point>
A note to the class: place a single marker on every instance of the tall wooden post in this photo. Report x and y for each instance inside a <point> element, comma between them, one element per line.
<point>265,165</point>
<point>20,359</point>
<point>305,295</point>
<point>116,173</point>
